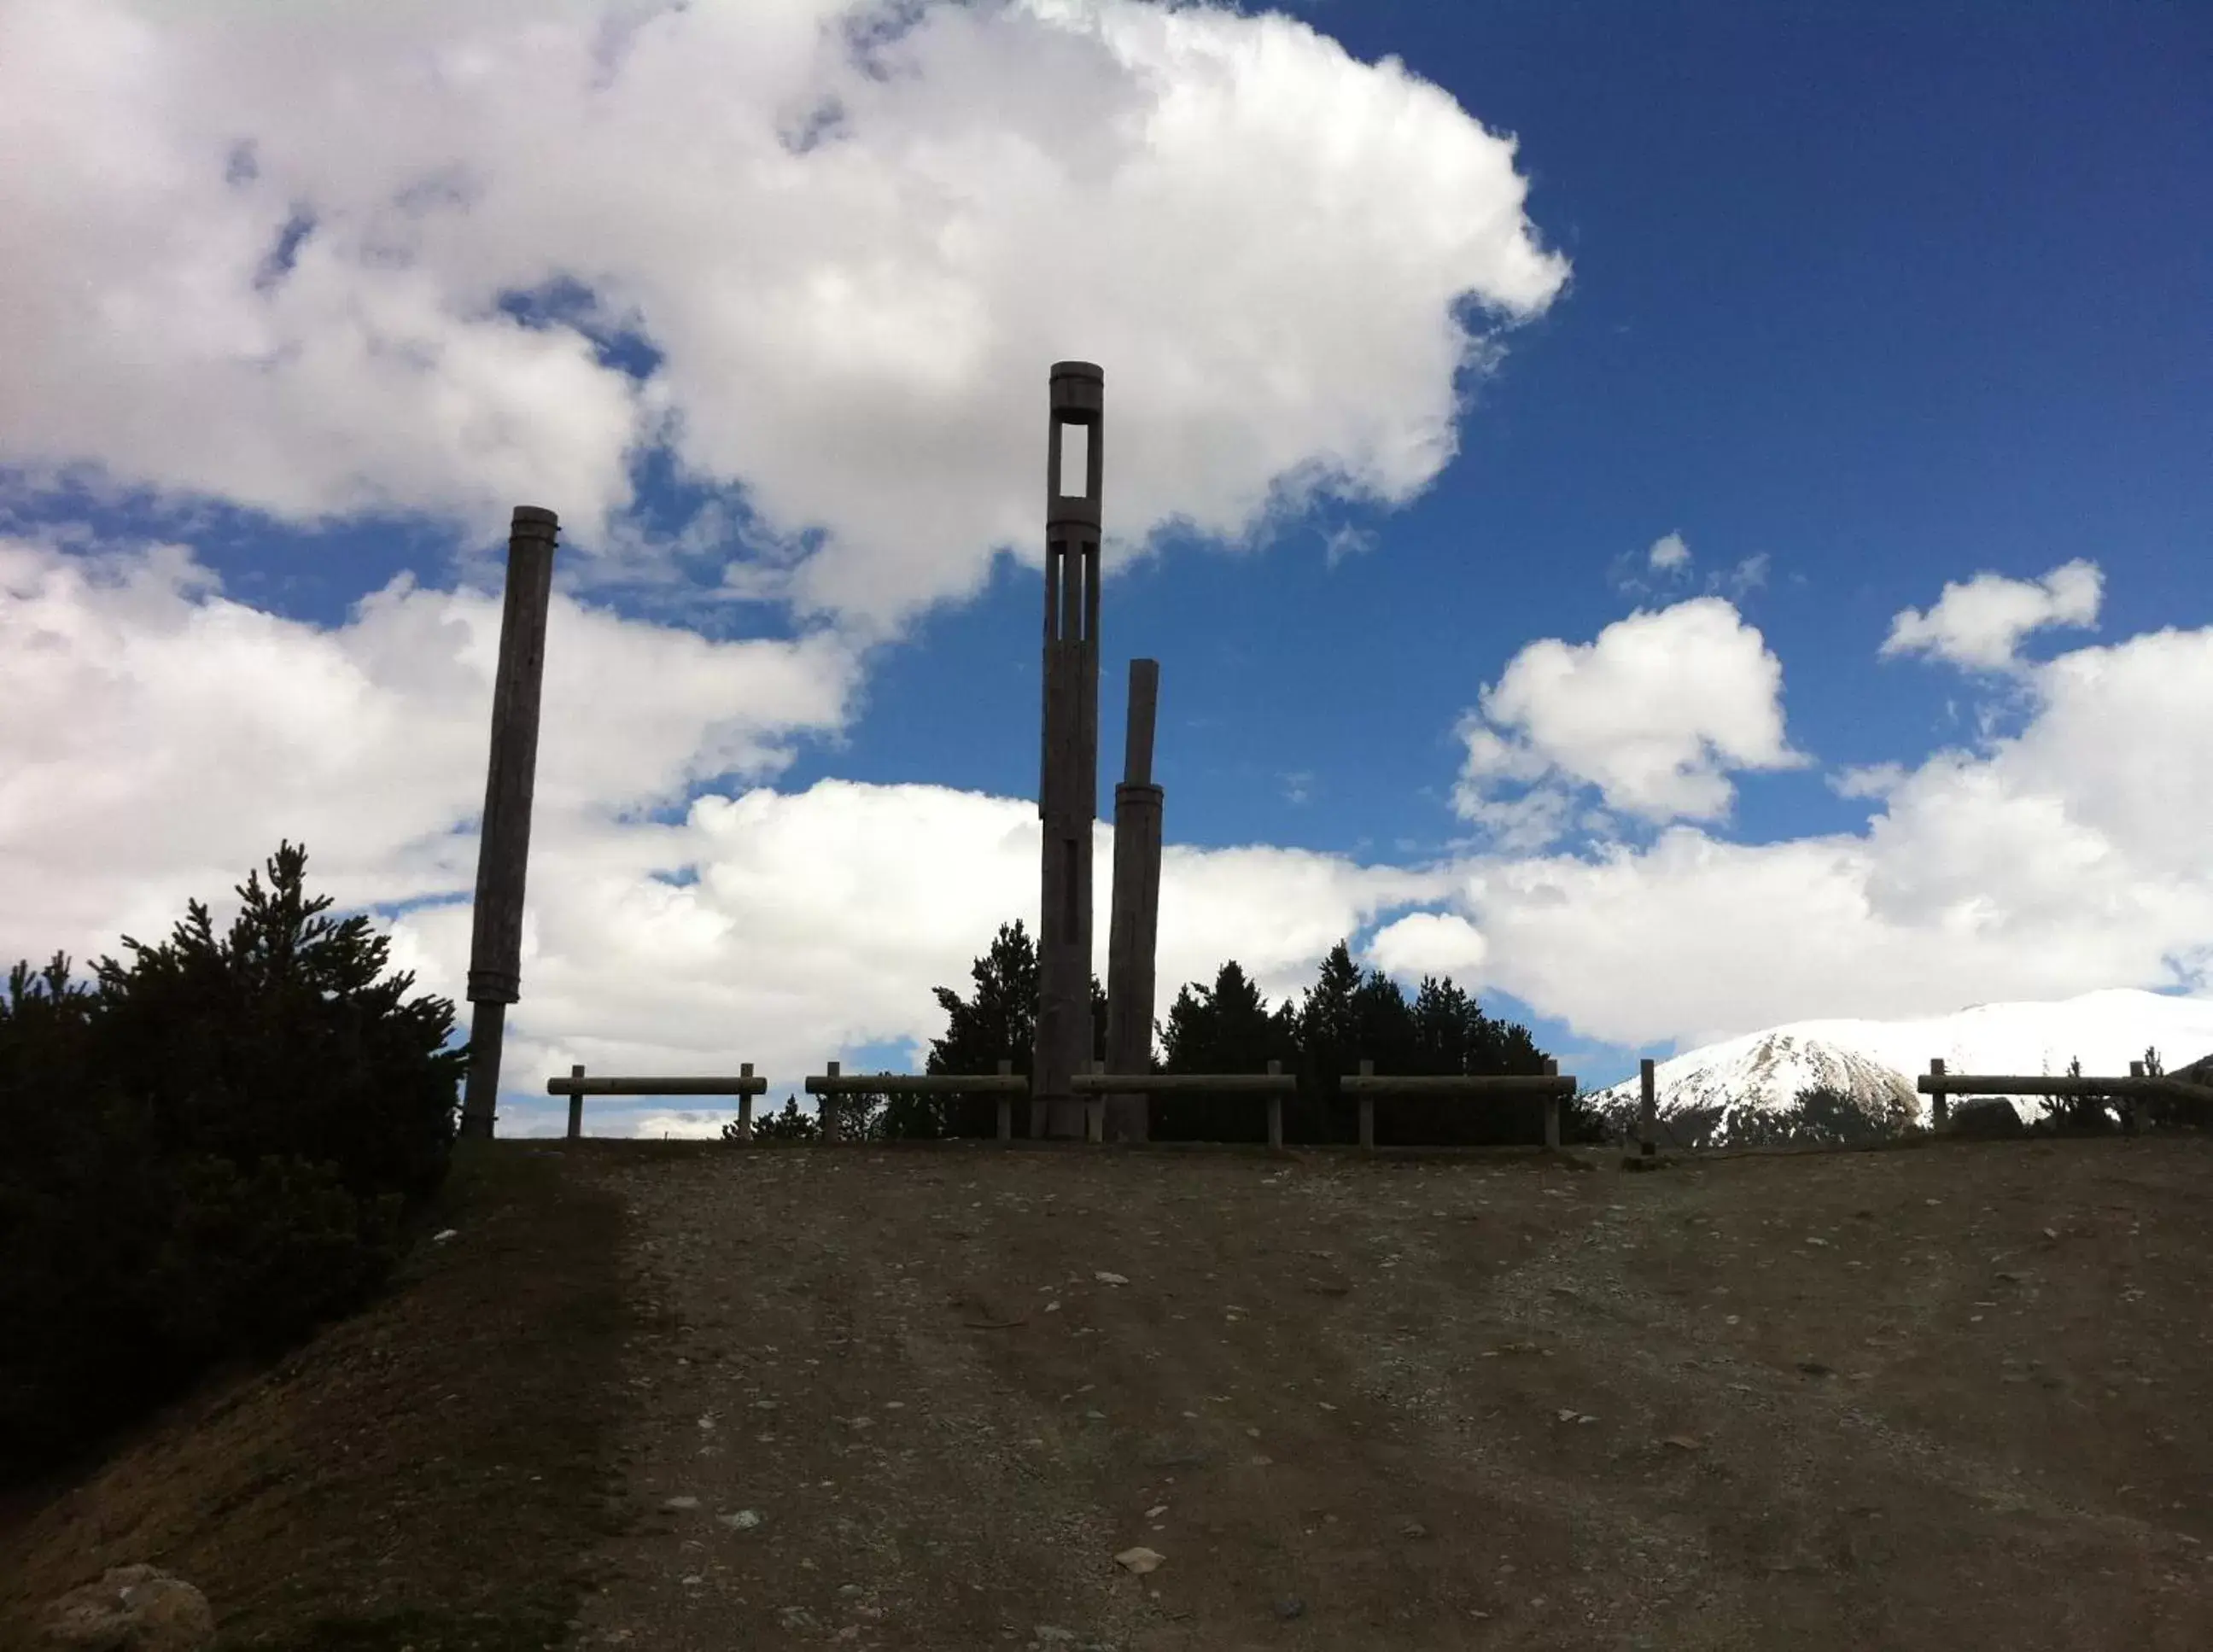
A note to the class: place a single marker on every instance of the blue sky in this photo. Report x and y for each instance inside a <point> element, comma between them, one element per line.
<point>1684,518</point>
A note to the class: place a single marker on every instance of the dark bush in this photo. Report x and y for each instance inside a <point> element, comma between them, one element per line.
<point>2077,1115</point>
<point>789,1125</point>
<point>1987,1118</point>
<point>210,1154</point>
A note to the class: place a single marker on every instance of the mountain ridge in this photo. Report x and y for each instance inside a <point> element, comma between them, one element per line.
<point>1876,1061</point>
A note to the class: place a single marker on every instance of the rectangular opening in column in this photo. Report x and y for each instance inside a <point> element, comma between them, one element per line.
<point>1075,481</point>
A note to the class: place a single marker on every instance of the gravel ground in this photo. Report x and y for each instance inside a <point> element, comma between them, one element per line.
<point>961,1397</point>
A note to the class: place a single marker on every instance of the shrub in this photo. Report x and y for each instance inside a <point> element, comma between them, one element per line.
<point>789,1125</point>
<point>211,1153</point>
<point>2076,1115</point>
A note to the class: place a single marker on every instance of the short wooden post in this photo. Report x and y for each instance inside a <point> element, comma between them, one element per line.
<point>829,1112</point>
<point>2129,1103</point>
<point>1006,1103</point>
<point>745,1105</point>
<point>576,1107</point>
<point>1095,1109</point>
<point>1366,1107</point>
<point>1275,1109</point>
<point>1552,1105</point>
<point>1940,1105</point>
<point>1648,1111</point>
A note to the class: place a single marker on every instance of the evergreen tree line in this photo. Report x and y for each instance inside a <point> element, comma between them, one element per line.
<point>1341,1020</point>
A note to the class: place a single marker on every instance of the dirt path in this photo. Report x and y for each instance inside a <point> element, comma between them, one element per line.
<point>1946,1397</point>
<point>1930,1397</point>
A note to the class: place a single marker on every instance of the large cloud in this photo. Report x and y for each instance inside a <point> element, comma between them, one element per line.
<point>259,253</point>
<point>1653,714</point>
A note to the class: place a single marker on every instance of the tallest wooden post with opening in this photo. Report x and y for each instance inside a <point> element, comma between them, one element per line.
<point>510,779</point>
<point>1068,784</point>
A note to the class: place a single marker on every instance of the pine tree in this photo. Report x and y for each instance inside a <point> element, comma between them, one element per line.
<point>1225,1028</point>
<point>1446,1028</point>
<point>1328,1033</point>
<point>1384,1035</point>
<point>789,1125</point>
<point>280,1039</point>
<point>209,1154</point>
<point>997,1023</point>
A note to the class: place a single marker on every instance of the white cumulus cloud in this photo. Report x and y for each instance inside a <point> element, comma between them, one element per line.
<point>1979,622</point>
<point>1653,714</point>
<point>853,235</point>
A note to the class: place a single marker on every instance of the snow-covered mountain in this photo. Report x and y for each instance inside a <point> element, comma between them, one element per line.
<point>1876,1062</point>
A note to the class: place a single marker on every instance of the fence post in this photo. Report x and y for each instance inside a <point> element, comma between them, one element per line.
<point>1006,1103</point>
<point>1095,1109</point>
<point>1552,1105</point>
<point>745,1105</point>
<point>576,1107</point>
<point>1648,1110</point>
<point>2129,1106</point>
<point>1940,1105</point>
<point>1275,1109</point>
<point>830,1112</point>
<point>1366,1107</point>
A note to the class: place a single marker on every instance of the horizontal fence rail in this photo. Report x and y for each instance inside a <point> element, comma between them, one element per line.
<point>1005,1084</point>
<point>1275,1084</point>
<point>1365,1085</point>
<point>1939,1086</point>
<point>576,1086</point>
<point>1098,1084</point>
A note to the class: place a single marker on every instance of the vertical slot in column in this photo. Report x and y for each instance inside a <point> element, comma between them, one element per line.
<point>1072,441</point>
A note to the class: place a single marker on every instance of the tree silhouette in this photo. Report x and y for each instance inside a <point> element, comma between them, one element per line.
<point>1225,1028</point>
<point>998,1022</point>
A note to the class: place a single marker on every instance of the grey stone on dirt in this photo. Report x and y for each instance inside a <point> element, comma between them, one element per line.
<point>131,1609</point>
<point>1289,1606</point>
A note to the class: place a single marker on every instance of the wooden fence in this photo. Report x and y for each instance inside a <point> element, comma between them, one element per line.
<point>1275,1084</point>
<point>576,1086</point>
<point>1004,1083</point>
<point>1939,1086</point>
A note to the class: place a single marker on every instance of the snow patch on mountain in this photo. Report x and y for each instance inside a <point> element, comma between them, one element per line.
<point>1875,1063</point>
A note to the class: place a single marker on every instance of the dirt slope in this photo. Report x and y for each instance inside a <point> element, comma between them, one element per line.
<point>1933,1398</point>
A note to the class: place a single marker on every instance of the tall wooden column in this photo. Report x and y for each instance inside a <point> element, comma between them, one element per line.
<point>1133,929</point>
<point>1068,785</point>
<point>510,779</point>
